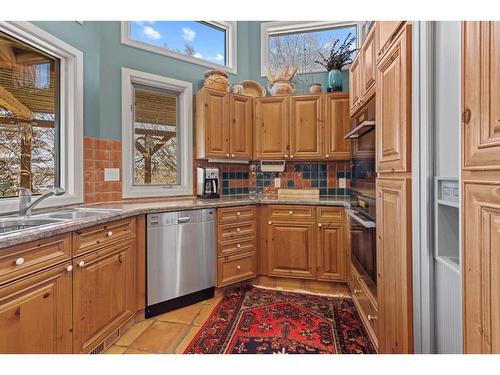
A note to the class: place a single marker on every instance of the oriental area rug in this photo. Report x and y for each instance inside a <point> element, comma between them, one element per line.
<point>253,320</point>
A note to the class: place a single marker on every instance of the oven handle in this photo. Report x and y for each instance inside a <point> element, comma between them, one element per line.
<point>365,223</point>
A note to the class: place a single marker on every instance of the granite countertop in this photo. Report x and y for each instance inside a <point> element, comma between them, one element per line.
<point>129,208</point>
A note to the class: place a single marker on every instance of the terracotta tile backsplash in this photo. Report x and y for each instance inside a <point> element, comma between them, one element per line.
<point>99,154</point>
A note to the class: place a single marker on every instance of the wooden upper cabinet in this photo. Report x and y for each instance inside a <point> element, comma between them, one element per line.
<point>481,262</point>
<point>212,124</point>
<point>394,266</point>
<point>103,294</point>
<point>306,126</point>
<point>291,249</point>
<point>331,252</point>
<point>368,66</point>
<point>481,95</point>
<point>271,127</point>
<point>337,125</point>
<point>241,127</point>
<point>393,106</point>
<point>35,313</point>
<point>385,32</point>
<point>355,84</point>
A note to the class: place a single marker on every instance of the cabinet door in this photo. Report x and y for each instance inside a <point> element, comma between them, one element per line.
<point>337,125</point>
<point>215,121</point>
<point>331,252</point>
<point>241,127</point>
<point>394,266</point>
<point>368,66</point>
<point>393,113</point>
<point>481,263</point>
<point>35,313</point>
<point>103,295</point>
<point>481,95</point>
<point>355,85</point>
<point>271,127</point>
<point>306,125</point>
<point>385,31</point>
<point>291,249</point>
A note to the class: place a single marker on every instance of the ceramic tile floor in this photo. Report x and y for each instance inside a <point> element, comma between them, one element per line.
<point>168,333</point>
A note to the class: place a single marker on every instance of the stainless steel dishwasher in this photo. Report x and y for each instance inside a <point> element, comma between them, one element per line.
<point>181,259</point>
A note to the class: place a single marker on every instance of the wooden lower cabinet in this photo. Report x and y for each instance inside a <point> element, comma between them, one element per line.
<point>331,259</point>
<point>103,294</point>
<point>394,265</point>
<point>235,268</point>
<point>35,313</point>
<point>291,249</point>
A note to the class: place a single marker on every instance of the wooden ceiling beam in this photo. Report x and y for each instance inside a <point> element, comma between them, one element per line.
<point>11,103</point>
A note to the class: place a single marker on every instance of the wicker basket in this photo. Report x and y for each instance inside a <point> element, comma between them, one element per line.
<point>253,88</point>
<point>217,80</point>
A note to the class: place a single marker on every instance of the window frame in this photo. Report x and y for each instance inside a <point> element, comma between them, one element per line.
<point>292,27</point>
<point>185,134</point>
<point>231,46</point>
<point>70,116</point>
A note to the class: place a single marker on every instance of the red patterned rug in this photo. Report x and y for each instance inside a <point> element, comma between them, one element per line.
<point>255,320</point>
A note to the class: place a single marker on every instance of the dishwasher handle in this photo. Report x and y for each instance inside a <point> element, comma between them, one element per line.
<point>182,220</point>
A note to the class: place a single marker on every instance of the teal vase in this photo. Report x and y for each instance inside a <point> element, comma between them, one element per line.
<point>334,80</point>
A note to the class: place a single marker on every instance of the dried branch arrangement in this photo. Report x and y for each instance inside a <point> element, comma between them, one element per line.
<point>286,75</point>
<point>340,56</point>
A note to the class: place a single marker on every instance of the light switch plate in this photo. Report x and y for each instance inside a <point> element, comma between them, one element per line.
<point>277,182</point>
<point>111,174</point>
<point>342,182</point>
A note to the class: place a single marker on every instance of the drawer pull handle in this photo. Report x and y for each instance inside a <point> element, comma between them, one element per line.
<point>81,264</point>
<point>227,155</point>
<point>290,212</point>
<point>320,225</point>
<point>19,261</point>
<point>291,156</point>
<point>327,156</point>
<point>356,291</point>
<point>372,317</point>
<point>120,259</point>
<point>238,229</point>
<point>269,222</point>
<point>226,257</point>
<point>69,268</point>
<point>238,246</point>
<point>109,234</point>
<point>238,213</point>
<point>238,268</point>
<point>232,155</point>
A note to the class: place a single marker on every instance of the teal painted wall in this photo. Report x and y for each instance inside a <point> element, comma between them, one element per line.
<point>104,56</point>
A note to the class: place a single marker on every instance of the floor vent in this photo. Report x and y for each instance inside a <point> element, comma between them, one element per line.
<point>98,350</point>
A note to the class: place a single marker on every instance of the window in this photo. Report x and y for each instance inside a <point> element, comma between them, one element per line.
<point>157,135</point>
<point>211,44</point>
<point>40,115</point>
<point>298,44</point>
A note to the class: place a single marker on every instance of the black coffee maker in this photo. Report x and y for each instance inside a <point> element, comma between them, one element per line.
<point>207,182</point>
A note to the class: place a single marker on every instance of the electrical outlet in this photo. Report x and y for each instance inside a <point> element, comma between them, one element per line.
<point>277,182</point>
<point>342,182</point>
<point>111,174</point>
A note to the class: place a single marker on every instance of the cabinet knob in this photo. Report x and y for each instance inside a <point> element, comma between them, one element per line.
<point>356,291</point>
<point>19,261</point>
<point>466,116</point>
<point>286,156</point>
<point>290,212</point>
<point>227,155</point>
<point>327,156</point>
<point>372,317</point>
<point>81,263</point>
<point>238,229</point>
<point>232,155</point>
<point>69,268</point>
<point>238,213</point>
<point>269,222</point>
<point>320,225</point>
<point>238,268</point>
<point>109,234</point>
<point>291,156</point>
<point>238,246</point>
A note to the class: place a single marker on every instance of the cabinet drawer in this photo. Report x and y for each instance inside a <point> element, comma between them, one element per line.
<point>243,246</point>
<point>292,213</point>
<point>24,259</point>
<point>367,310</point>
<point>236,230</point>
<point>96,237</point>
<point>230,214</point>
<point>331,214</point>
<point>232,269</point>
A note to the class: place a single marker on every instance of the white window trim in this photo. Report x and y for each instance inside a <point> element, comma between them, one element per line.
<point>231,46</point>
<point>185,130</point>
<point>71,112</point>
<point>281,27</point>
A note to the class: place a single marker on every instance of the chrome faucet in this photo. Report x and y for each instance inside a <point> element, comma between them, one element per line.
<point>25,204</point>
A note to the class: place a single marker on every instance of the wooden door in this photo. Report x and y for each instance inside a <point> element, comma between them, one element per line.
<point>393,107</point>
<point>212,124</point>
<point>306,127</point>
<point>331,252</point>
<point>385,31</point>
<point>394,266</point>
<point>355,85</point>
<point>481,95</point>
<point>241,127</point>
<point>35,313</point>
<point>368,66</point>
<point>481,263</point>
<point>103,294</point>
<point>337,125</point>
<point>271,127</point>
<point>291,249</point>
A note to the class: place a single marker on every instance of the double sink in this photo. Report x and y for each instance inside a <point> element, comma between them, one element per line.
<point>10,224</point>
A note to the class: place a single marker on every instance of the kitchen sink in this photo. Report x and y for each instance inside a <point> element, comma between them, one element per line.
<point>77,213</point>
<point>13,224</point>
